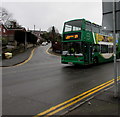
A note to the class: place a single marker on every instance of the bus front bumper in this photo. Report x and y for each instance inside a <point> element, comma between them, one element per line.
<point>72,62</point>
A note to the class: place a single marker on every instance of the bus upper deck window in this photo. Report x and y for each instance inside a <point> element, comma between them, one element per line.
<point>95,28</point>
<point>76,28</point>
<point>68,28</point>
<point>88,26</point>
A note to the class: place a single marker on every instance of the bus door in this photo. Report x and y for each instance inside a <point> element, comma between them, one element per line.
<point>88,53</point>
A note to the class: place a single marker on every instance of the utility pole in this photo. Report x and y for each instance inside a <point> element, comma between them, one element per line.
<point>115,63</point>
<point>34,28</point>
<point>25,40</point>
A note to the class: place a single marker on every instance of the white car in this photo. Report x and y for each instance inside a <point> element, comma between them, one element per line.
<point>44,43</point>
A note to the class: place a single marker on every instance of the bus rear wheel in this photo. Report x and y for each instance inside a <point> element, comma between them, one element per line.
<point>95,61</point>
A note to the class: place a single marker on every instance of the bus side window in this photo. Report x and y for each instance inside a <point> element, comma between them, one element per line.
<point>88,26</point>
<point>96,48</point>
<point>110,48</point>
<point>95,28</point>
<point>104,48</point>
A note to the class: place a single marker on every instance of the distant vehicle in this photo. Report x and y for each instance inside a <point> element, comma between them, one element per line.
<point>44,43</point>
<point>56,46</point>
<point>85,43</point>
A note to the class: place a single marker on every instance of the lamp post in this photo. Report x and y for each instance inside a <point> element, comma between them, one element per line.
<point>25,40</point>
<point>115,64</point>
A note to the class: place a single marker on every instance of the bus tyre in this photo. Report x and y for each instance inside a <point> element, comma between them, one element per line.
<point>95,61</point>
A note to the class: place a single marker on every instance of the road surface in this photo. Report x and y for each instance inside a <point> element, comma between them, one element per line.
<point>44,82</point>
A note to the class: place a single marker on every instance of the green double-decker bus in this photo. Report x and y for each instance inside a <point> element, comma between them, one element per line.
<point>85,43</point>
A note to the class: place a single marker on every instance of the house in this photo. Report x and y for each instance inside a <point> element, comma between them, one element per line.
<point>3,31</point>
<point>8,33</point>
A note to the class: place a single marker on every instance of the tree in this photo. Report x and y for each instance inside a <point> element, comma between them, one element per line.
<point>45,36</point>
<point>4,41</point>
<point>5,16</point>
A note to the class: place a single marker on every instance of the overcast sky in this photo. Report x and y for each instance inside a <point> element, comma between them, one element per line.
<point>46,14</point>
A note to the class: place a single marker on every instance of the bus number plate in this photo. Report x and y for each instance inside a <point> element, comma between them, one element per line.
<point>70,63</point>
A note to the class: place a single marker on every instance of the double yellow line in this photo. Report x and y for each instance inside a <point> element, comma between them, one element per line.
<point>76,99</point>
<point>30,57</point>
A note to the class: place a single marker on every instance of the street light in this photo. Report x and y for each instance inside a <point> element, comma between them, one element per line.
<point>111,20</point>
<point>115,64</point>
<point>105,28</point>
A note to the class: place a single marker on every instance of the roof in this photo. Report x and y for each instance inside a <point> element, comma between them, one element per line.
<point>18,28</point>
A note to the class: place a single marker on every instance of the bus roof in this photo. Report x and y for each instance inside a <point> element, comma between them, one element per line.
<point>74,20</point>
<point>70,21</point>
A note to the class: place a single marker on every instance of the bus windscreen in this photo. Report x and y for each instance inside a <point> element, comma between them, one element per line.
<point>73,26</point>
<point>75,48</point>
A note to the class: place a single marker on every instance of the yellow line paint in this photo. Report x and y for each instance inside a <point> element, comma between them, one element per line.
<point>30,57</point>
<point>52,113</point>
<point>50,53</point>
<point>55,107</point>
<point>47,51</point>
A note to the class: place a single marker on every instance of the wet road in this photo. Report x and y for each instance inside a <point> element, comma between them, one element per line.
<point>44,82</point>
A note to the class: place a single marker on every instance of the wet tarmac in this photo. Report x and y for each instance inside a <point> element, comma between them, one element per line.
<point>44,82</point>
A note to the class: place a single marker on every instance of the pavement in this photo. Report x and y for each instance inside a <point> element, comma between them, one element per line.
<point>19,58</point>
<point>102,104</point>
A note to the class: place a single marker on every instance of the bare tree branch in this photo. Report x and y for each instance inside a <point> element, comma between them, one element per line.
<point>4,15</point>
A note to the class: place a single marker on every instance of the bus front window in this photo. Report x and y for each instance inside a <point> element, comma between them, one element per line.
<point>75,25</point>
<point>68,28</point>
<point>72,48</point>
